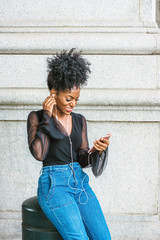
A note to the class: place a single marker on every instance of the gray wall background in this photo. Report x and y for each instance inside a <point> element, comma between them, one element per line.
<point>122,41</point>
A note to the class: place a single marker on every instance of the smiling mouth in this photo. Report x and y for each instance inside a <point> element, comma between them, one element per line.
<point>69,109</point>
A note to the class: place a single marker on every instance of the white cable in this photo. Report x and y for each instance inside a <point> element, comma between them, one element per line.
<point>83,189</point>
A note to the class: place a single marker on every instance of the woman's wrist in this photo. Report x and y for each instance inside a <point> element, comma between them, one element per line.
<point>47,112</point>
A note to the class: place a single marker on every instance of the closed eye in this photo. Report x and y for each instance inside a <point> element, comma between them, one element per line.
<point>68,100</point>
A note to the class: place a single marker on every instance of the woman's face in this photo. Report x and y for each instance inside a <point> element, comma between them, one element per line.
<point>66,100</point>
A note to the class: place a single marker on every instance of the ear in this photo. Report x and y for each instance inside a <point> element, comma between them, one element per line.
<point>53,91</point>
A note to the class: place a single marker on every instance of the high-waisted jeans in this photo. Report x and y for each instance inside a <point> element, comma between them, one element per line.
<point>70,204</point>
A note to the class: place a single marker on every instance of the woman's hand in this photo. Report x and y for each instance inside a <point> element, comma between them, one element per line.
<point>101,144</point>
<point>49,102</point>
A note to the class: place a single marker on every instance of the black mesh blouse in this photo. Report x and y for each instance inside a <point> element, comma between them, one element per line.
<point>49,142</point>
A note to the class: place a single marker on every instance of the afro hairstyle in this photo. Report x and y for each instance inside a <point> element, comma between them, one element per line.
<point>67,70</point>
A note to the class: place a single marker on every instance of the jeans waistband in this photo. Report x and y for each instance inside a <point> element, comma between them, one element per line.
<point>61,167</point>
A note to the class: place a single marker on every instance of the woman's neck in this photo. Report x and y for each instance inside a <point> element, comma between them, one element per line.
<point>59,115</point>
<point>64,119</point>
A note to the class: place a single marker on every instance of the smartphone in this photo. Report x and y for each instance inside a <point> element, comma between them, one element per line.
<point>105,137</point>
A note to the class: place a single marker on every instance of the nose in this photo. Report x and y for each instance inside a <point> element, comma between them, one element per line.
<point>73,103</point>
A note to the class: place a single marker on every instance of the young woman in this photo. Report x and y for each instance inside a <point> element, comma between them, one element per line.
<point>58,137</point>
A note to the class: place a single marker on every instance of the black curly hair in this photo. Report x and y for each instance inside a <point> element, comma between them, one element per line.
<point>66,70</point>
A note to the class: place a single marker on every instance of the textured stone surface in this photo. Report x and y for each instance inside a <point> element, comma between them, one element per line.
<point>19,172</point>
<point>158,12</point>
<point>10,229</point>
<point>135,231</point>
<point>64,13</point>
<point>158,72</point>
<point>108,71</point>
<point>130,182</point>
<point>157,37</point>
<point>122,72</point>
<point>147,11</point>
<point>92,43</point>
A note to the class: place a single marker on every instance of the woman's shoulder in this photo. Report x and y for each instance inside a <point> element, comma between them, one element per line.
<point>79,119</point>
<point>36,113</point>
<point>78,115</point>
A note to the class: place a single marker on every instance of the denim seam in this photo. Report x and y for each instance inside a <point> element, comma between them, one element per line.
<point>52,190</point>
<point>40,199</point>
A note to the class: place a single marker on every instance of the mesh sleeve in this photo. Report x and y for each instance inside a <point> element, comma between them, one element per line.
<point>38,141</point>
<point>83,155</point>
<point>97,161</point>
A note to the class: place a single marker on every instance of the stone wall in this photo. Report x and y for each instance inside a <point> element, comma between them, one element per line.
<point>122,41</point>
<point>158,12</point>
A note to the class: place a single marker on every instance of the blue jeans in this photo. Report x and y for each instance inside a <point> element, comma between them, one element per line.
<point>68,201</point>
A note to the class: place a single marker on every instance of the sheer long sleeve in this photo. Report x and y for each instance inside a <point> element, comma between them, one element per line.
<point>83,155</point>
<point>99,161</point>
<point>38,140</point>
<point>95,160</point>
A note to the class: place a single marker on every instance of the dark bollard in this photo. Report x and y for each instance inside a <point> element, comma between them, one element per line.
<point>35,225</point>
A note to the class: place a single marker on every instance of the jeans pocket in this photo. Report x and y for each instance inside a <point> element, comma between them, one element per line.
<point>47,184</point>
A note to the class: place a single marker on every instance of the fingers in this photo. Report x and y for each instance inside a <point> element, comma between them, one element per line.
<point>48,100</point>
<point>52,95</point>
<point>102,143</point>
<point>104,140</point>
<point>48,103</point>
<point>101,146</point>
